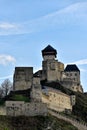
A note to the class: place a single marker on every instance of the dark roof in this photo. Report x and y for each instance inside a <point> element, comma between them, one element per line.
<point>71,67</point>
<point>49,50</point>
<point>38,73</point>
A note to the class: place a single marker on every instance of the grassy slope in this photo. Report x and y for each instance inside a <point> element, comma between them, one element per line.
<point>34,123</point>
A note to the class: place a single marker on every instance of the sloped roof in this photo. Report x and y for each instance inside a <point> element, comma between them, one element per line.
<point>38,73</point>
<point>72,67</point>
<point>49,50</point>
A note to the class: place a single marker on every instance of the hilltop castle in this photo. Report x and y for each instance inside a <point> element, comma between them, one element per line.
<point>52,70</point>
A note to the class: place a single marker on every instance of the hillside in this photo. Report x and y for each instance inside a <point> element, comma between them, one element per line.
<point>80,109</point>
<point>42,123</point>
<point>34,123</point>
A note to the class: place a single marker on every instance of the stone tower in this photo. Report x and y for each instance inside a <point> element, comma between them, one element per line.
<point>36,89</point>
<point>73,73</point>
<point>23,78</point>
<point>51,68</point>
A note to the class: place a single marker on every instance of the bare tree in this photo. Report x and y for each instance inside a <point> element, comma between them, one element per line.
<point>6,87</point>
<point>1,92</point>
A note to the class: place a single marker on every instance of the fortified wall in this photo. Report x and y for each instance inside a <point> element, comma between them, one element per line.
<point>20,108</point>
<point>56,100</point>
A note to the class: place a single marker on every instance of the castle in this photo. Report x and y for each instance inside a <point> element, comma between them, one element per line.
<point>52,70</point>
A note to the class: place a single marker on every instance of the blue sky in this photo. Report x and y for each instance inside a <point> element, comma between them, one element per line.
<point>26,27</point>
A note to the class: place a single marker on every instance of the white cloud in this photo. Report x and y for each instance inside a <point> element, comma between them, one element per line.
<point>80,62</point>
<point>6,59</point>
<point>73,14</point>
<point>7,26</point>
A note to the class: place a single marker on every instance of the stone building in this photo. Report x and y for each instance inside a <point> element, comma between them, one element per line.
<point>72,78</point>
<point>53,70</point>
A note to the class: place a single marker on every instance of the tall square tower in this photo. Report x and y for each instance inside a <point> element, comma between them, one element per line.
<point>23,77</point>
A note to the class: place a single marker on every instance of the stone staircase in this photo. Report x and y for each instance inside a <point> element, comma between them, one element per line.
<point>79,125</point>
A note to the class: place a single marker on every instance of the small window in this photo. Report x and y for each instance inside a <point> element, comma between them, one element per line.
<point>75,74</point>
<point>78,84</point>
<point>70,74</point>
<point>73,87</point>
<point>67,74</point>
<point>76,88</point>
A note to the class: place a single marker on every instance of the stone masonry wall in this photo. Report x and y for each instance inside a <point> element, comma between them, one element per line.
<point>57,100</point>
<point>2,110</point>
<point>19,108</point>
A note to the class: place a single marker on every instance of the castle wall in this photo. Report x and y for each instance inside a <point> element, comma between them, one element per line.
<point>73,100</point>
<point>19,108</point>
<point>75,76</point>
<point>61,66</point>
<point>68,83</point>
<point>2,110</point>
<point>35,108</point>
<point>15,108</point>
<point>77,88</point>
<point>50,57</point>
<point>52,70</point>
<point>36,93</point>
<point>22,85</point>
<point>36,80</point>
<point>57,100</point>
<point>72,85</point>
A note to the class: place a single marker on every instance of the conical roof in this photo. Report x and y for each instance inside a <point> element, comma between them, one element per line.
<point>49,50</point>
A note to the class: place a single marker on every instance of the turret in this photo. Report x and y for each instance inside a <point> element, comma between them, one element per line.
<point>49,53</point>
<point>51,68</point>
<point>36,89</point>
<point>73,72</point>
